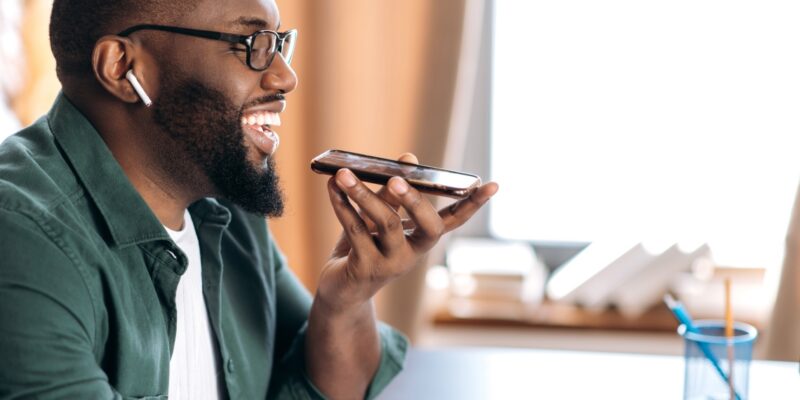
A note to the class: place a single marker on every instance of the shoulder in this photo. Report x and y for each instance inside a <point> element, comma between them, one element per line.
<point>38,274</point>
<point>41,266</point>
<point>33,173</point>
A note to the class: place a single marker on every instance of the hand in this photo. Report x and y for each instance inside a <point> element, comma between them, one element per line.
<point>376,245</point>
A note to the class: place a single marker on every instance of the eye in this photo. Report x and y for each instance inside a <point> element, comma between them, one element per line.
<point>239,52</point>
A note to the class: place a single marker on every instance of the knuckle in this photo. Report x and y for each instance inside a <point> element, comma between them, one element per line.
<point>454,207</point>
<point>357,228</point>
<point>360,193</point>
<point>475,201</point>
<point>415,200</point>
<point>393,222</point>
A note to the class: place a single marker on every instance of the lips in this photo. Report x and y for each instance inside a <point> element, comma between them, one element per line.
<point>257,125</point>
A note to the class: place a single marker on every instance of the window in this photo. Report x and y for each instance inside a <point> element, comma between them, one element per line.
<point>675,120</point>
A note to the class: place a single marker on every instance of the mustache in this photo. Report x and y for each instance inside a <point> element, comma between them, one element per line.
<point>264,100</point>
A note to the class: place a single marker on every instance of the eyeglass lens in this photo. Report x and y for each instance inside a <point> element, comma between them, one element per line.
<point>264,47</point>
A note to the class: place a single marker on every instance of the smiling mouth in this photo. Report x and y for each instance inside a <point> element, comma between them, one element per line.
<point>258,125</point>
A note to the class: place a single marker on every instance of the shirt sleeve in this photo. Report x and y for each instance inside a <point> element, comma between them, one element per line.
<point>290,380</point>
<point>46,319</point>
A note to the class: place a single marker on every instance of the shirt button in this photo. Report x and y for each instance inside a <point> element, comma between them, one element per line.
<point>230,365</point>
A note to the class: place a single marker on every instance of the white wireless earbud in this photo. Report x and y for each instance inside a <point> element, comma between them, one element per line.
<point>138,88</point>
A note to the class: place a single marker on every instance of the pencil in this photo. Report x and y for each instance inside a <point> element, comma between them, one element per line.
<point>729,335</point>
<point>680,313</point>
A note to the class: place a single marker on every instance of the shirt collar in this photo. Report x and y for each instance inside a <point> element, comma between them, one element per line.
<point>129,219</point>
<point>209,210</point>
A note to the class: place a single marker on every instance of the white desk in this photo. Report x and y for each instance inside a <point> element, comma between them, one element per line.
<point>470,373</point>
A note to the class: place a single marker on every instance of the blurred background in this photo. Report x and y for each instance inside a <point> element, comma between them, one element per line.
<point>642,148</point>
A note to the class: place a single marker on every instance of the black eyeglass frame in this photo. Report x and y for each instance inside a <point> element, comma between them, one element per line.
<point>246,40</point>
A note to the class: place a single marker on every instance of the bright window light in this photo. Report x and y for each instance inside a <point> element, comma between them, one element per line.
<point>667,120</point>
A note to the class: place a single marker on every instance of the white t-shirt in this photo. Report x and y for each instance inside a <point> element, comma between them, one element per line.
<point>193,365</point>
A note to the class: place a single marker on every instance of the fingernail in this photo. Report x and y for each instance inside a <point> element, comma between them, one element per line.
<point>347,178</point>
<point>399,186</point>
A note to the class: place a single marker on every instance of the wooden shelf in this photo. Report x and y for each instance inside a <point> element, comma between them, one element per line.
<point>549,315</point>
<point>500,311</point>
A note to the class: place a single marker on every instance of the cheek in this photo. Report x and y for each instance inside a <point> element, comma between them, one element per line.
<point>229,78</point>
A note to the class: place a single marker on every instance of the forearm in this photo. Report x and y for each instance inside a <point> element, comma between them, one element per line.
<point>343,349</point>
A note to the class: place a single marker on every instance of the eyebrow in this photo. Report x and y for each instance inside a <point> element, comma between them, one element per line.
<point>253,22</point>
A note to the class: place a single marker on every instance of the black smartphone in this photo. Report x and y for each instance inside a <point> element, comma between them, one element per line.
<point>378,170</point>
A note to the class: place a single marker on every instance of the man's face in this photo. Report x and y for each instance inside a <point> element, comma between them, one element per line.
<point>221,112</point>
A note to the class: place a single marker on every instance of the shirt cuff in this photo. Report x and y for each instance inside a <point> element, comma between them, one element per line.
<point>393,354</point>
<point>298,385</point>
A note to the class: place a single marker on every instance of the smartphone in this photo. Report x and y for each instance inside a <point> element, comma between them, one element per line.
<point>378,170</point>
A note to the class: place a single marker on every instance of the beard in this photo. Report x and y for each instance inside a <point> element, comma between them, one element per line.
<point>205,126</point>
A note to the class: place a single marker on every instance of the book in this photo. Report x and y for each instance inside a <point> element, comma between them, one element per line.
<point>605,283</point>
<point>592,275</point>
<point>643,290</point>
<point>495,270</point>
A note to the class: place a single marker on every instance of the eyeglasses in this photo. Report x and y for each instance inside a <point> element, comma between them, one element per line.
<point>261,46</point>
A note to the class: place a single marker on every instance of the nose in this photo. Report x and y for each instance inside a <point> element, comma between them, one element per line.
<point>279,76</point>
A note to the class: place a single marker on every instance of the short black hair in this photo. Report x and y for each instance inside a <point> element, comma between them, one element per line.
<point>76,25</point>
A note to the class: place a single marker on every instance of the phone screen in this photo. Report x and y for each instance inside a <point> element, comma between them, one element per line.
<point>410,172</point>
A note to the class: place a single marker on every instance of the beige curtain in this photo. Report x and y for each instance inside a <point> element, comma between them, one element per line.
<point>783,334</point>
<point>39,83</point>
<point>376,77</point>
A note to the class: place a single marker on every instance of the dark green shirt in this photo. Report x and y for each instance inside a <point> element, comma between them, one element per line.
<point>88,278</point>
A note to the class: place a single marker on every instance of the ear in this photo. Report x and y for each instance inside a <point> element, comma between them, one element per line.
<point>112,57</point>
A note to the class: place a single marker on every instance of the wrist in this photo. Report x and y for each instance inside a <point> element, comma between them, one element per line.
<point>336,311</point>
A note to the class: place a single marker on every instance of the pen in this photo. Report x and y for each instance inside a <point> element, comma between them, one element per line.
<point>680,313</point>
<point>729,335</point>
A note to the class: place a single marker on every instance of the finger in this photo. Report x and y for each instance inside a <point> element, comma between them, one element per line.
<point>429,225</point>
<point>461,211</point>
<point>387,221</point>
<point>409,158</point>
<point>384,192</point>
<point>355,229</point>
<point>408,226</point>
<point>389,199</point>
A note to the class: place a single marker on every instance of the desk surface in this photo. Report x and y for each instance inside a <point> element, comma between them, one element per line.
<point>469,373</point>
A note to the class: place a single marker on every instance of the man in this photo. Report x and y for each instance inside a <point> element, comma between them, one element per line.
<point>136,258</point>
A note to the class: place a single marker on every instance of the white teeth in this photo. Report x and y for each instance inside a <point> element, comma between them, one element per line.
<point>262,118</point>
<point>273,119</point>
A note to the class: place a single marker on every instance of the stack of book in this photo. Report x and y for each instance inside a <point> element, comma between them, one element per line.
<point>633,277</point>
<point>491,270</point>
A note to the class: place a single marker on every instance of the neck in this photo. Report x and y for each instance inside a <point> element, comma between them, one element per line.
<point>169,207</point>
<point>165,197</point>
<point>153,163</point>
